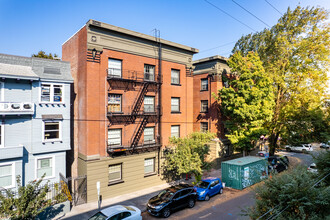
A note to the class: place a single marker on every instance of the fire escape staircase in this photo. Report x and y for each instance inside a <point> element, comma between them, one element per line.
<point>138,132</point>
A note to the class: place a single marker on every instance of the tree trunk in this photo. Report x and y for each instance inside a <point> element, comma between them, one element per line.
<point>272,143</point>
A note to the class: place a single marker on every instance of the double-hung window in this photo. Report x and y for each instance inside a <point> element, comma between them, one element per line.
<point>52,130</point>
<point>175,131</point>
<point>114,103</point>
<point>204,126</point>
<point>204,84</point>
<point>149,72</point>
<point>149,165</point>
<point>175,76</point>
<point>149,135</point>
<point>114,68</point>
<point>204,106</point>
<point>115,172</point>
<point>51,93</point>
<point>149,104</point>
<point>175,104</point>
<point>7,175</point>
<point>114,137</point>
<point>45,166</point>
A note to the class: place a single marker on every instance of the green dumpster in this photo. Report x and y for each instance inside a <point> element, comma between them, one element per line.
<point>243,172</point>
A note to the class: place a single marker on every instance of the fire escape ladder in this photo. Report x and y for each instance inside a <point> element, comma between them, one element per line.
<point>139,99</point>
<point>138,132</point>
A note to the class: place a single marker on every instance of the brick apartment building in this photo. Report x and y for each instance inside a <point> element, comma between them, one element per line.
<point>129,98</point>
<point>208,79</point>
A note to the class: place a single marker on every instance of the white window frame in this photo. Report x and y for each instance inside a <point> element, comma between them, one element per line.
<point>147,70</point>
<point>121,101</point>
<point>51,100</point>
<point>145,104</point>
<point>2,90</point>
<point>203,123</point>
<point>175,71</point>
<point>59,131</point>
<point>149,140</point>
<point>13,173</point>
<point>36,167</point>
<point>2,137</point>
<point>207,106</point>
<point>178,126</point>
<point>121,136</point>
<point>207,84</point>
<point>153,165</point>
<point>113,69</point>
<point>121,173</point>
<point>175,98</point>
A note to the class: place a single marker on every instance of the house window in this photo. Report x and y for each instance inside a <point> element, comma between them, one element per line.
<point>149,72</point>
<point>7,175</point>
<point>175,131</point>
<point>149,165</point>
<point>45,167</point>
<point>175,76</point>
<point>52,130</point>
<point>149,104</point>
<point>114,103</point>
<point>204,106</point>
<point>114,137</point>
<point>2,135</point>
<point>204,126</point>
<point>149,135</point>
<point>204,84</point>
<point>2,95</point>
<point>51,93</point>
<point>115,172</point>
<point>114,68</point>
<point>175,104</point>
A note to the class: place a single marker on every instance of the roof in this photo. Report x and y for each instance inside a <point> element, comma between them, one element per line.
<point>243,160</point>
<point>216,57</point>
<point>113,210</point>
<point>139,35</point>
<point>17,72</point>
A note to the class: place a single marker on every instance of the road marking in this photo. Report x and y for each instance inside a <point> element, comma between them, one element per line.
<point>204,216</point>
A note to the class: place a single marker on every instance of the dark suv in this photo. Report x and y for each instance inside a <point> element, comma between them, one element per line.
<point>171,199</point>
<point>278,163</point>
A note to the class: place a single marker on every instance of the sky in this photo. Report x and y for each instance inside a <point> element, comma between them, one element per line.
<point>28,26</point>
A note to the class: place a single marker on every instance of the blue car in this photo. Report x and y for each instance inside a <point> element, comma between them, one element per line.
<point>208,187</point>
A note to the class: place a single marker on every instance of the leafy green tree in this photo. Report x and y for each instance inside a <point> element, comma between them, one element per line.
<point>295,53</point>
<point>42,54</point>
<point>27,204</point>
<point>248,102</point>
<point>322,161</point>
<point>187,155</point>
<point>291,195</point>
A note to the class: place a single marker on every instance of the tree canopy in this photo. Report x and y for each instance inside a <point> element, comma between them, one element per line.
<point>248,102</point>
<point>295,53</point>
<point>42,54</point>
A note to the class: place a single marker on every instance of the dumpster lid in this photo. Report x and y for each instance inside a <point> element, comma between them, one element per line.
<point>243,160</point>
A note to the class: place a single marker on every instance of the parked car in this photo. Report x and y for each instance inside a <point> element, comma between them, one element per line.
<point>118,212</point>
<point>325,146</point>
<point>208,187</point>
<point>304,148</point>
<point>261,153</point>
<point>278,163</point>
<point>312,168</point>
<point>171,199</point>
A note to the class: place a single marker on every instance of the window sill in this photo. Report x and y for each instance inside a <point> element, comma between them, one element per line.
<point>175,84</point>
<point>115,113</point>
<point>51,103</point>
<point>175,112</point>
<point>150,174</point>
<point>205,112</point>
<point>202,90</point>
<point>51,141</point>
<point>115,182</point>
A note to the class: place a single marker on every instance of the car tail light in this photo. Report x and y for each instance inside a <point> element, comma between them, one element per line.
<point>195,190</point>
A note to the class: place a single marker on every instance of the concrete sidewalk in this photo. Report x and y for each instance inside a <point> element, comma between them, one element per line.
<point>138,199</point>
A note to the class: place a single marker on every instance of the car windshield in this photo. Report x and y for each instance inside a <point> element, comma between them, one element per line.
<point>165,194</point>
<point>98,216</point>
<point>203,184</point>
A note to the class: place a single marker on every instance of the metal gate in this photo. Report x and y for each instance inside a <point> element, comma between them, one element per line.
<point>78,189</point>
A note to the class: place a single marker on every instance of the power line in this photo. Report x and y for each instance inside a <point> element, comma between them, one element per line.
<point>217,47</point>
<point>230,15</point>
<point>274,7</point>
<point>250,13</point>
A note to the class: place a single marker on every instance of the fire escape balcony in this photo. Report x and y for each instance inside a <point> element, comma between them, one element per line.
<point>16,108</point>
<point>126,148</point>
<point>114,74</point>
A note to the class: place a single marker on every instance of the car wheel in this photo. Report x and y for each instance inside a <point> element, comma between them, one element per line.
<point>304,151</point>
<point>221,191</point>
<point>288,149</point>
<point>191,203</point>
<point>207,198</point>
<point>166,213</point>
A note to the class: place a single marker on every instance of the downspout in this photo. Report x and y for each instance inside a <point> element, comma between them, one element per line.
<point>159,99</point>
<point>209,107</point>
